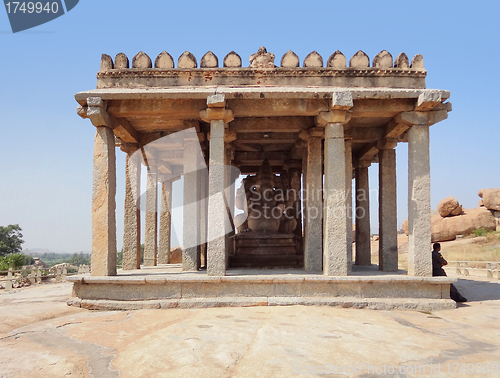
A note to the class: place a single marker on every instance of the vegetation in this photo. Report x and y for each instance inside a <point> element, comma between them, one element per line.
<point>51,258</point>
<point>480,232</point>
<point>13,260</point>
<point>11,239</point>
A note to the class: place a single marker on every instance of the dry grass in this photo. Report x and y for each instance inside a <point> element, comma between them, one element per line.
<point>485,248</point>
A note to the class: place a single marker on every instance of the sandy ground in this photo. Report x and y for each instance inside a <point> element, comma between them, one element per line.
<point>42,337</point>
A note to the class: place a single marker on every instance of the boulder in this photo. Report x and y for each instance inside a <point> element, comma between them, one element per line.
<point>447,206</point>
<point>491,198</point>
<point>481,203</point>
<point>405,227</point>
<point>458,210</point>
<point>444,229</point>
<point>176,255</point>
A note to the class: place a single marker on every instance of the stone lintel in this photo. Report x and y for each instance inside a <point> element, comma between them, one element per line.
<point>428,100</point>
<point>313,132</point>
<point>96,112</point>
<point>387,143</point>
<point>421,118</point>
<point>368,152</point>
<point>363,164</point>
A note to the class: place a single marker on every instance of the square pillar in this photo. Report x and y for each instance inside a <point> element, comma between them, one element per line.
<point>314,192</point>
<point>388,216</point>
<point>419,202</point>
<point>304,198</point>
<point>335,255</point>
<point>165,223</point>
<point>132,214</point>
<point>151,224</point>
<point>217,213</point>
<point>191,208</point>
<point>103,258</point>
<point>348,200</point>
<point>362,214</point>
<point>203,177</point>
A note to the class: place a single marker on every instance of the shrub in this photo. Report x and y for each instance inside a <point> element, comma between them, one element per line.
<point>13,260</point>
<point>480,232</point>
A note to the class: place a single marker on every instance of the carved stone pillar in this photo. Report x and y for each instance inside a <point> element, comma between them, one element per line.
<point>362,214</point>
<point>151,223</point>
<point>165,223</point>
<point>132,214</point>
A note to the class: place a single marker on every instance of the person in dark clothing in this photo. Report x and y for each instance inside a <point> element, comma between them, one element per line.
<point>438,261</point>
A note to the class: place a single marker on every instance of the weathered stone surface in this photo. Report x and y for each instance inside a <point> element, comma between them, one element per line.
<point>444,229</point>
<point>314,211</point>
<point>262,59</point>
<point>481,203</point>
<point>290,60</point>
<point>402,61</point>
<point>151,222</point>
<point>447,206</point>
<point>209,60</point>
<point>362,216</point>
<point>348,201</point>
<point>359,60</point>
<point>106,62</point>
<point>457,211</point>
<point>491,198</point>
<point>141,60</point>
<point>417,61</point>
<point>121,61</point>
<point>313,60</point>
<point>132,225</point>
<point>103,204</point>
<point>232,60</point>
<point>388,243</point>
<point>405,226</point>
<point>164,61</point>
<point>335,239</point>
<point>165,223</point>
<point>419,202</point>
<point>382,60</point>
<point>337,60</point>
<point>216,248</point>
<point>187,60</point>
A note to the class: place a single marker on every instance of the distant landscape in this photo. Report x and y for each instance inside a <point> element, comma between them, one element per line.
<point>53,258</point>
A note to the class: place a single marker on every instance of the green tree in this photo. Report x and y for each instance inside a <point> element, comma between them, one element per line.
<point>11,239</point>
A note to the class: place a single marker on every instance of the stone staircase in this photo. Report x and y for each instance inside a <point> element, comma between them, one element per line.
<point>257,250</point>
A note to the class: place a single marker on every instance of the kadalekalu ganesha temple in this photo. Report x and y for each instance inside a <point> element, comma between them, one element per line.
<point>295,136</point>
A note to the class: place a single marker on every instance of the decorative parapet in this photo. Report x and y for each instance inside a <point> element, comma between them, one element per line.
<point>384,71</point>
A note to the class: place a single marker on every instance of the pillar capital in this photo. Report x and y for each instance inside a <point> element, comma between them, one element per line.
<point>363,164</point>
<point>333,116</point>
<point>216,109</point>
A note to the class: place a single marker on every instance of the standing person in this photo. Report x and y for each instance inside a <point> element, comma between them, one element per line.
<point>438,262</point>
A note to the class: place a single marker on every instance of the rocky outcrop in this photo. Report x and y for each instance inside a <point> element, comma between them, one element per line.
<point>491,198</point>
<point>449,207</point>
<point>444,229</point>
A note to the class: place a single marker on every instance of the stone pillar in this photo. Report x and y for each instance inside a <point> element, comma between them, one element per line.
<point>314,192</point>
<point>132,214</point>
<point>419,206</point>
<point>304,197</point>
<point>203,177</point>
<point>335,255</point>
<point>362,214</point>
<point>151,226</point>
<point>103,204</point>
<point>294,175</point>
<point>388,216</point>
<point>230,194</point>
<point>191,208</point>
<point>217,249</point>
<point>348,201</point>
<point>165,223</point>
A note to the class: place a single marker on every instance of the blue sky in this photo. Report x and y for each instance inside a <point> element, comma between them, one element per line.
<point>46,149</point>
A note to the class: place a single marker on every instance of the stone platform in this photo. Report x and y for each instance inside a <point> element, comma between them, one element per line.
<point>166,286</point>
<point>258,250</point>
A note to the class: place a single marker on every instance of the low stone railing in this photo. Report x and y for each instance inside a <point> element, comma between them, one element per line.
<point>465,268</point>
<point>35,275</point>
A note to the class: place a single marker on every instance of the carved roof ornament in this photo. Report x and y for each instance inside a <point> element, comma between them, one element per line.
<point>262,59</point>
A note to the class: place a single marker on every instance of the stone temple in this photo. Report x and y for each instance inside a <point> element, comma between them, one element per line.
<point>298,135</point>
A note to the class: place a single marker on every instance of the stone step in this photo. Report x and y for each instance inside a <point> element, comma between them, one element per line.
<point>265,243</point>
<point>272,251</point>
<point>279,261</point>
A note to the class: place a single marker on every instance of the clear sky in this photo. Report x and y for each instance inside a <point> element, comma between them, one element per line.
<point>46,149</point>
